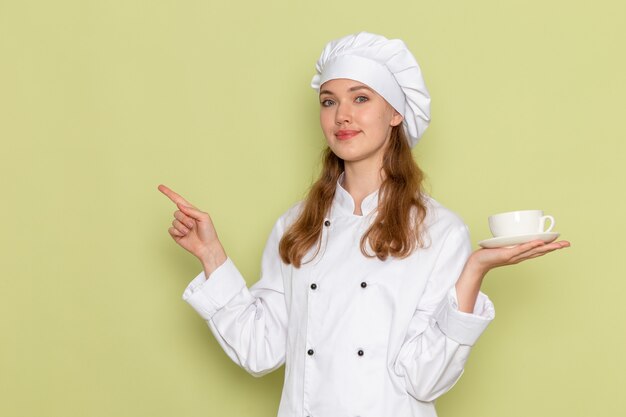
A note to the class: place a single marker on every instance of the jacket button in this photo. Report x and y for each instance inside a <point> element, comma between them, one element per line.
<point>310,352</point>
<point>313,286</point>
<point>360,352</point>
<point>327,223</point>
<point>363,284</point>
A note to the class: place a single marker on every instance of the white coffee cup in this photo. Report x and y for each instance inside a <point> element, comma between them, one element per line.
<point>521,222</point>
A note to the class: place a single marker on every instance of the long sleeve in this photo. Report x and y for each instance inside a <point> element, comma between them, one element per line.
<point>249,324</point>
<point>440,337</point>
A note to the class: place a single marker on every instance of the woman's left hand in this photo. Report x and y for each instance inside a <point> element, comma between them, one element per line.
<point>483,260</point>
<point>486,259</point>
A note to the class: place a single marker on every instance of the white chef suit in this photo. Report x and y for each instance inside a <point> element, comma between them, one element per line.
<point>358,336</point>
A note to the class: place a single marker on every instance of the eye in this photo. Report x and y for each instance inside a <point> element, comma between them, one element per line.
<point>361,99</point>
<point>326,103</point>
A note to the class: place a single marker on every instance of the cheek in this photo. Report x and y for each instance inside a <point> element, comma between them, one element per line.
<point>326,124</point>
<point>375,119</point>
<point>325,119</point>
<point>373,113</point>
<point>384,119</point>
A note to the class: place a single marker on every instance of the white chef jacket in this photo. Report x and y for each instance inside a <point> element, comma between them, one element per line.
<point>359,337</point>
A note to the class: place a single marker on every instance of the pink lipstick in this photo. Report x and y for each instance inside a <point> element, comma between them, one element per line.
<point>346,134</point>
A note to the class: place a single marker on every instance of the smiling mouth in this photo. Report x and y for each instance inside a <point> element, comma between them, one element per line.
<point>346,134</point>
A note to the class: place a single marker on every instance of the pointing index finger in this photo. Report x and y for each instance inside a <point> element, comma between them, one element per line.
<point>177,199</point>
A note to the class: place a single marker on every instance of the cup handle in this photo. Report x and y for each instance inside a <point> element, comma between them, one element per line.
<point>542,222</point>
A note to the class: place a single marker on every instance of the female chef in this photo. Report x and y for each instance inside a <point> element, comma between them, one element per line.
<point>369,290</point>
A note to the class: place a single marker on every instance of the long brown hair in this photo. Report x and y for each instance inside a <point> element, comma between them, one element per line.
<point>396,230</point>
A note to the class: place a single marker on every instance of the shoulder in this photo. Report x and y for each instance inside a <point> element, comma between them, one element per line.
<point>282,224</point>
<point>440,221</point>
<point>289,217</point>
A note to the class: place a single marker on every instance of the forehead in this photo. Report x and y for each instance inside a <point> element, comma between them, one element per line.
<point>341,85</point>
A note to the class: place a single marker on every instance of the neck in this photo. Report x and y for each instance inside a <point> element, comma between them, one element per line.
<point>360,180</point>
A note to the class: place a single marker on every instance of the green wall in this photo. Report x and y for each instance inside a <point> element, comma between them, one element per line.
<point>101,101</point>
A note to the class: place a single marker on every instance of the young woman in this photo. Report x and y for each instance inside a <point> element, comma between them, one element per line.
<point>369,292</point>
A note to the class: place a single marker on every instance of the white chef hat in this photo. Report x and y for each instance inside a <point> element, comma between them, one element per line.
<point>385,65</point>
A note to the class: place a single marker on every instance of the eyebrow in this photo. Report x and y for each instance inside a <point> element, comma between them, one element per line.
<point>358,87</point>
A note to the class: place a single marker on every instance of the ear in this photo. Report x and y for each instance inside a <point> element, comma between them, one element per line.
<point>396,119</point>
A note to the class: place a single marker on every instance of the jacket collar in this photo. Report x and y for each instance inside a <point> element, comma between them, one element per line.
<point>344,203</point>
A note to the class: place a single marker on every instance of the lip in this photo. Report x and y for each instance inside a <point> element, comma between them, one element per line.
<point>346,134</point>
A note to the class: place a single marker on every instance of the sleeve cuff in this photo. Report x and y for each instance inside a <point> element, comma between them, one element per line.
<point>464,328</point>
<point>207,296</point>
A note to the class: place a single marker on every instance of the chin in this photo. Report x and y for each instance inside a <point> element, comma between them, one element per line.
<point>350,156</point>
<point>341,153</point>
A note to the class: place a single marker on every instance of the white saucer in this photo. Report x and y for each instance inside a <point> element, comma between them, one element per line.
<point>510,241</point>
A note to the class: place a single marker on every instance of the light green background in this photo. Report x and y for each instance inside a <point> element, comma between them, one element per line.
<point>101,101</point>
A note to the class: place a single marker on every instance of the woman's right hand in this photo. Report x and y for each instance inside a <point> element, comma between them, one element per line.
<point>194,231</point>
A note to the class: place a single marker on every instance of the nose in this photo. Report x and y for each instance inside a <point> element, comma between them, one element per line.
<point>343,114</point>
